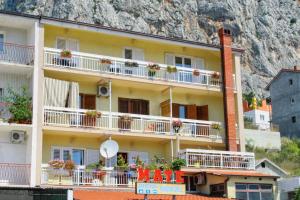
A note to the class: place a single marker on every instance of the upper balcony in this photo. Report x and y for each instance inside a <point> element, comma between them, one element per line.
<point>16,54</point>
<point>115,67</point>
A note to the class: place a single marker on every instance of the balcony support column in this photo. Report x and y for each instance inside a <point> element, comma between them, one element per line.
<point>110,106</point>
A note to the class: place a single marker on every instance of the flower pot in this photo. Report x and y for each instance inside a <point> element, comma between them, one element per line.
<point>151,73</point>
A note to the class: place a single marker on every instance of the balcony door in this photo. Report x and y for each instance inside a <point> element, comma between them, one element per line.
<point>134,106</point>
<point>87,101</point>
<point>2,41</point>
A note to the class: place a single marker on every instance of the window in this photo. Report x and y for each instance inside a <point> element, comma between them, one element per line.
<point>65,153</point>
<point>262,118</point>
<point>1,94</point>
<point>133,53</point>
<point>183,62</point>
<point>182,111</point>
<point>294,119</point>
<point>69,44</point>
<point>128,53</point>
<point>1,41</point>
<point>263,165</point>
<point>134,106</point>
<point>190,183</point>
<point>292,100</point>
<point>254,191</point>
<point>291,81</point>
<point>217,190</point>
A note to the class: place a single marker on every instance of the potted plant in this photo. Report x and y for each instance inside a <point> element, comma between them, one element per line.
<point>215,75</point>
<point>152,69</point>
<point>216,127</point>
<point>177,163</point>
<point>56,164</point>
<point>131,64</point>
<point>69,166</point>
<point>171,69</point>
<point>20,106</point>
<point>66,54</point>
<point>90,117</point>
<point>196,72</point>
<point>105,61</point>
<point>176,125</point>
<point>125,122</point>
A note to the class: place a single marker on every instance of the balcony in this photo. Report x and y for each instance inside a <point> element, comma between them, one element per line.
<point>17,54</point>
<point>198,158</point>
<point>133,123</point>
<point>14,174</point>
<point>87,177</point>
<point>130,68</point>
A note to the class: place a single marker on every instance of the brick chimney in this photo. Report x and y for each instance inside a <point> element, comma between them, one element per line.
<point>228,89</point>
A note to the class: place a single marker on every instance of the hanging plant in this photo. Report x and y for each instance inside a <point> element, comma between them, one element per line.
<point>153,68</point>
<point>93,113</point>
<point>171,69</point>
<point>215,75</point>
<point>176,125</point>
<point>216,127</point>
<point>56,164</point>
<point>196,72</point>
<point>106,61</point>
<point>65,54</point>
<point>131,64</point>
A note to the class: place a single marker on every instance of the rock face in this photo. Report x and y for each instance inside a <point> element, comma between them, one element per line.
<point>269,30</point>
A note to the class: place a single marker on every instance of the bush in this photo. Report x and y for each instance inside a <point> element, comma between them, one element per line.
<point>178,163</point>
<point>20,106</point>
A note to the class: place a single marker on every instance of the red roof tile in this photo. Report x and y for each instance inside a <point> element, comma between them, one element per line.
<point>115,195</point>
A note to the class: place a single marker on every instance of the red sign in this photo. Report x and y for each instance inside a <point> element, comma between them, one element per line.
<point>144,175</point>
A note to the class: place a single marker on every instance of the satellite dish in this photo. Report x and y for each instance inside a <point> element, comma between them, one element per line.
<point>109,149</point>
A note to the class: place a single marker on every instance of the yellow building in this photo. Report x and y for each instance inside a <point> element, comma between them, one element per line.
<point>157,97</point>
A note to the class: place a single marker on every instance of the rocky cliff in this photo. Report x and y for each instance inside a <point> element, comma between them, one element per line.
<point>269,30</point>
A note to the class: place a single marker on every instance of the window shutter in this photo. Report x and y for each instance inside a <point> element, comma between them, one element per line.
<point>198,63</point>
<point>202,112</point>
<point>134,106</point>
<point>169,59</point>
<point>123,105</point>
<point>175,110</point>
<point>144,107</point>
<point>61,43</point>
<point>73,45</point>
<point>192,111</point>
<point>138,54</point>
<point>92,156</point>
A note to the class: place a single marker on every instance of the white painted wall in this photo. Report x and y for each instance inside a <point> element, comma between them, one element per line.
<point>14,35</point>
<point>263,139</point>
<point>256,116</point>
<point>14,153</point>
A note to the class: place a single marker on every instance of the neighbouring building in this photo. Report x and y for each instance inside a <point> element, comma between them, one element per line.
<point>258,126</point>
<point>288,187</point>
<point>157,97</point>
<point>284,94</point>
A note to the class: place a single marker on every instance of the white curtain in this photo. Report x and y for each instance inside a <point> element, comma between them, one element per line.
<point>74,95</point>
<point>56,92</point>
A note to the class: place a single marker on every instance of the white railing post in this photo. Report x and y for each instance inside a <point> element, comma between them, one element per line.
<point>221,161</point>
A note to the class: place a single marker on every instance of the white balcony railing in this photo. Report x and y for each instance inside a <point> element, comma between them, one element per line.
<point>131,68</point>
<point>14,174</point>
<point>199,158</point>
<point>15,53</point>
<point>85,177</point>
<point>145,124</point>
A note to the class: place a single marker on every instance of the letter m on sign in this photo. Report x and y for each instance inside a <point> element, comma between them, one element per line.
<point>143,175</point>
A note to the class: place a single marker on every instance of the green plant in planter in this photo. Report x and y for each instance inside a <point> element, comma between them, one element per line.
<point>20,106</point>
<point>93,113</point>
<point>216,127</point>
<point>65,54</point>
<point>121,163</point>
<point>171,69</point>
<point>177,163</point>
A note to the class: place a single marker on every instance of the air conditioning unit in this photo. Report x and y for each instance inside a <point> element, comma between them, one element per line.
<point>103,90</point>
<point>17,137</point>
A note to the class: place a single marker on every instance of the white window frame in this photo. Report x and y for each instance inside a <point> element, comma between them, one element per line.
<point>67,39</point>
<point>132,49</point>
<point>183,57</point>
<point>67,148</point>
